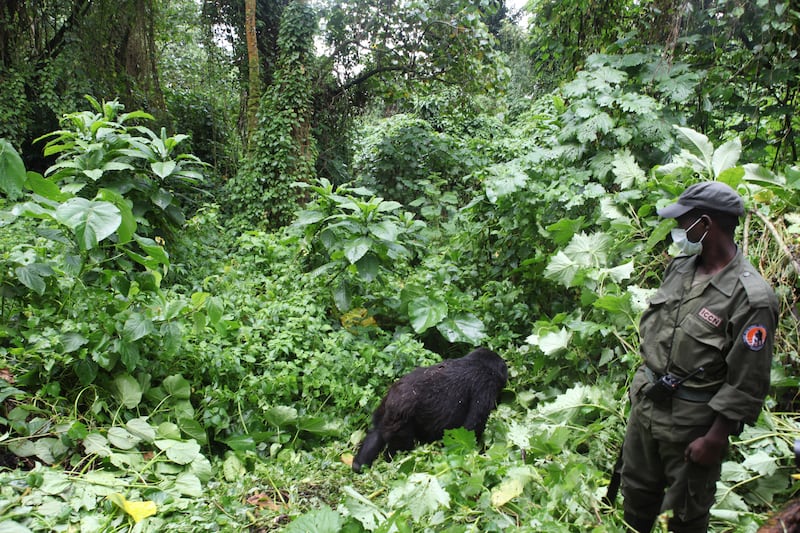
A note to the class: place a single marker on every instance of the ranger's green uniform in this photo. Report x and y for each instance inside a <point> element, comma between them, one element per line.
<point>723,324</point>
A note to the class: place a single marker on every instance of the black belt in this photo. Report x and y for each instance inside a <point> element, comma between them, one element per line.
<point>682,392</point>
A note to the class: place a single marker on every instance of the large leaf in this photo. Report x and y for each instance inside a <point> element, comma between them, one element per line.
<point>281,415</point>
<point>426,312</point>
<point>12,170</point>
<point>179,452</point>
<point>363,509</point>
<point>589,250</point>
<point>122,438</point>
<point>697,143</point>
<point>127,226</point>
<point>92,221</point>
<point>178,387</point>
<point>551,342</point>
<point>127,390</point>
<point>356,248</point>
<point>324,520</point>
<point>32,276</point>
<point>562,269</point>
<point>136,327</point>
<point>385,230</point>
<point>726,156</point>
<point>464,327</point>
<point>421,493</point>
<point>163,168</point>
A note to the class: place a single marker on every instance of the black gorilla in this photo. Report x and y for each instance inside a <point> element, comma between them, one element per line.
<point>422,404</point>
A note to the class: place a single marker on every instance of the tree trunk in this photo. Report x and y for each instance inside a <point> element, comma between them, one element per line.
<point>254,85</point>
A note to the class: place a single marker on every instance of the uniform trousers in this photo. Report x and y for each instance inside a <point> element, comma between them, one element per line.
<point>656,477</point>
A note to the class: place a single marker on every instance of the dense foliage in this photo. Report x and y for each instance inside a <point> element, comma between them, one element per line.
<point>198,347</point>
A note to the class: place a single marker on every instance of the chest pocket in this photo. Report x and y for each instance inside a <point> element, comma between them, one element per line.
<point>699,343</point>
<point>649,326</point>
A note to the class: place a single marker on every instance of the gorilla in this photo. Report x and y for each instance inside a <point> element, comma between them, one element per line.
<point>422,404</point>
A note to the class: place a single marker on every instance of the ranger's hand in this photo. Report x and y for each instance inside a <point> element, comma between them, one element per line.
<point>706,450</point>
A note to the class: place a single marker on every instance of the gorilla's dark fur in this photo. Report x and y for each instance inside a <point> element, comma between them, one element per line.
<point>422,404</point>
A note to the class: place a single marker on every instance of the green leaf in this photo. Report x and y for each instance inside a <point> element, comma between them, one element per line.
<point>590,250</point>
<point>562,269</point>
<point>322,520</point>
<point>697,143</point>
<point>621,272</point>
<point>163,169</point>
<point>127,390</point>
<point>627,172</point>
<point>178,387</point>
<point>726,156</point>
<point>241,443</point>
<point>214,310</point>
<point>153,249</point>
<point>72,341</point>
<point>659,233</point>
<point>179,452</point>
<point>141,428</point>
<point>762,463</point>
<point>421,493</point>
<point>189,485</point>
<point>281,415</point>
<point>96,444</point>
<point>122,439</point>
<point>232,467</point>
<point>506,178</point>
<point>12,526</point>
<point>45,188</point>
<point>356,248</point>
<point>136,327</point>
<point>363,509</point>
<point>368,267</point>
<point>93,173</point>
<point>464,327</point>
<point>55,482</point>
<point>385,230</point>
<point>162,198</point>
<point>31,278</point>
<point>389,206</point>
<point>562,231</point>
<point>551,342</point>
<point>426,312</point>
<point>92,221</point>
<point>12,170</point>
<point>127,225</point>
<point>308,217</point>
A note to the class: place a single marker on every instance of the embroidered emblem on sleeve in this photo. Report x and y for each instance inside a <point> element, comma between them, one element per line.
<point>710,317</point>
<point>755,336</point>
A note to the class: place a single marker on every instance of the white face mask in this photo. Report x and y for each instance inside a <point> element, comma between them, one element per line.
<point>681,240</point>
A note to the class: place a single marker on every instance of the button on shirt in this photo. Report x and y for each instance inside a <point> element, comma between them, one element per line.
<point>726,325</point>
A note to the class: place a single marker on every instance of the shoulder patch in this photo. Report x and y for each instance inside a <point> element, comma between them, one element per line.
<point>758,291</point>
<point>755,337</point>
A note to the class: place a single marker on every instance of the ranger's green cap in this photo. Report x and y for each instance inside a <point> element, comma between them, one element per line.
<point>706,194</point>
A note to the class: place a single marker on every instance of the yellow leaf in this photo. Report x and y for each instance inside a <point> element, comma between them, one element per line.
<point>506,491</point>
<point>137,510</point>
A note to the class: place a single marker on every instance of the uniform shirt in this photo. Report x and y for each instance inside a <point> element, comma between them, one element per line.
<point>724,324</point>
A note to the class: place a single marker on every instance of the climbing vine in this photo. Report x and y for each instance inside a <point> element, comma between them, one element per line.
<point>282,150</point>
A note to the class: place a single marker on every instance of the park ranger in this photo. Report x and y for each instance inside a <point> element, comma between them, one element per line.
<point>706,341</point>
